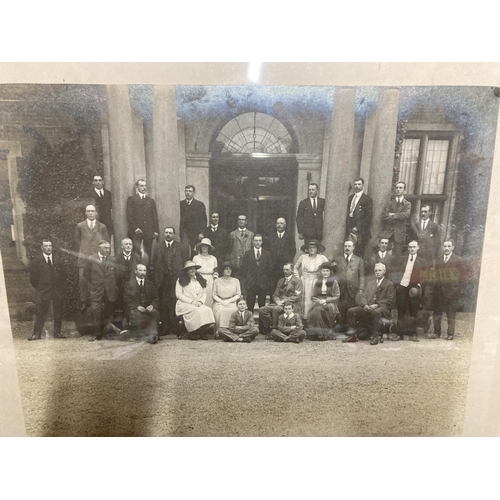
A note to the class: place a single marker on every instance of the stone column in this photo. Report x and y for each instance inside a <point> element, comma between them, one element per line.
<point>383,151</point>
<point>149,157</point>
<point>166,168</point>
<point>366,155</point>
<point>341,170</point>
<point>182,161</point>
<point>139,154</point>
<point>121,145</point>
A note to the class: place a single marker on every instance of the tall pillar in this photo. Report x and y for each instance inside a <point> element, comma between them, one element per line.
<point>149,157</point>
<point>166,144</point>
<point>182,161</point>
<point>366,155</point>
<point>341,170</point>
<point>121,146</point>
<point>382,164</point>
<point>139,154</point>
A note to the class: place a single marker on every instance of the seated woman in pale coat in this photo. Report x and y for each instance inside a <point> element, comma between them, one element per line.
<point>191,294</point>
<point>324,312</point>
<point>226,292</point>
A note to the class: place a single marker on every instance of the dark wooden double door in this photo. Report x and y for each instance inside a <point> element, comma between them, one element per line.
<point>263,189</point>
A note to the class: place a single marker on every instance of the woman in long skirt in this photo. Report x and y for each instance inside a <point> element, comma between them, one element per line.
<point>190,291</point>
<point>307,269</point>
<point>323,314</point>
<point>226,291</point>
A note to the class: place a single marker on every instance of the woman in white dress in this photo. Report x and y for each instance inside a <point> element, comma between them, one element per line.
<point>208,265</point>
<point>307,269</point>
<point>191,293</point>
<point>226,291</point>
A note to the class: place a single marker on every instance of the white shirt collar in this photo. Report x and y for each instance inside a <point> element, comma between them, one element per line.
<point>140,279</point>
<point>214,227</point>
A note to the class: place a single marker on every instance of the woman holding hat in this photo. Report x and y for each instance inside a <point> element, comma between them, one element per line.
<point>307,269</point>
<point>191,294</point>
<point>324,312</point>
<point>208,264</point>
<point>226,291</point>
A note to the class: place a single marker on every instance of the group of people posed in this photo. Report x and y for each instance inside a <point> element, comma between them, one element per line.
<point>207,284</point>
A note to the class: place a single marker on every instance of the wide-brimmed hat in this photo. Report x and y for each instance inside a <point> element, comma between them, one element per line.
<point>320,247</point>
<point>329,265</point>
<point>415,293</point>
<point>204,241</point>
<point>224,265</point>
<point>189,264</point>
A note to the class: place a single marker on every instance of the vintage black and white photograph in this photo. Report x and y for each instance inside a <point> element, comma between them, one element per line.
<point>244,260</point>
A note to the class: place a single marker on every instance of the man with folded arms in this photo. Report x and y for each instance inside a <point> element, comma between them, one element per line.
<point>290,328</point>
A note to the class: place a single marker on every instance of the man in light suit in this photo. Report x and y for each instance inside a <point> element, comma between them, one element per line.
<point>255,272</point>
<point>351,275</point>
<point>281,246</point>
<point>428,235</point>
<point>141,300</point>
<point>101,199</point>
<point>47,278</point>
<point>394,218</point>
<point>359,216</point>
<point>241,325</point>
<point>193,219</point>
<point>407,276</point>
<point>448,276</point>
<point>142,219</point>
<point>88,234</point>
<point>240,242</point>
<point>310,215</point>
<point>168,262</point>
<point>288,289</point>
<point>100,273</point>
<point>218,236</point>
<point>375,304</point>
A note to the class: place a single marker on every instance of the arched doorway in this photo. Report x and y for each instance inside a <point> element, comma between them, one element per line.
<point>252,172</point>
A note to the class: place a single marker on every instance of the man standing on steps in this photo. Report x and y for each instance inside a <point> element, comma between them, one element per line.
<point>101,199</point>
<point>193,219</point>
<point>88,234</point>
<point>359,216</point>
<point>310,215</point>
<point>142,219</point>
<point>47,278</point>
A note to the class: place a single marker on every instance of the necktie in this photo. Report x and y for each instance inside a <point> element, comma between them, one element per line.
<point>314,205</point>
<point>378,283</point>
<point>347,258</point>
<point>100,194</point>
<point>127,257</point>
<point>280,235</point>
<point>92,225</point>
<point>353,205</point>
<point>141,283</point>
<point>49,261</point>
<point>411,258</point>
<point>258,254</point>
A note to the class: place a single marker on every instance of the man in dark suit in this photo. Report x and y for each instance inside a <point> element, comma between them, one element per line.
<point>310,216</point>
<point>380,255</point>
<point>141,300</point>
<point>351,280</point>
<point>428,235</point>
<point>193,219</point>
<point>126,261</point>
<point>288,289</point>
<point>142,220</point>
<point>406,274</point>
<point>281,246</point>
<point>101,199</point>
<point>359,217</point>
<point>375,304</point>
<point>218,237</point>
<point>88,234</point>
<point>448,276</point>
<point>47,278</point>
<point>239,242</point>
<point>256,269</point>
<point>100,273</point>
<point>394,218</point>
<point>241,325</point>
<point>168,262</point>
